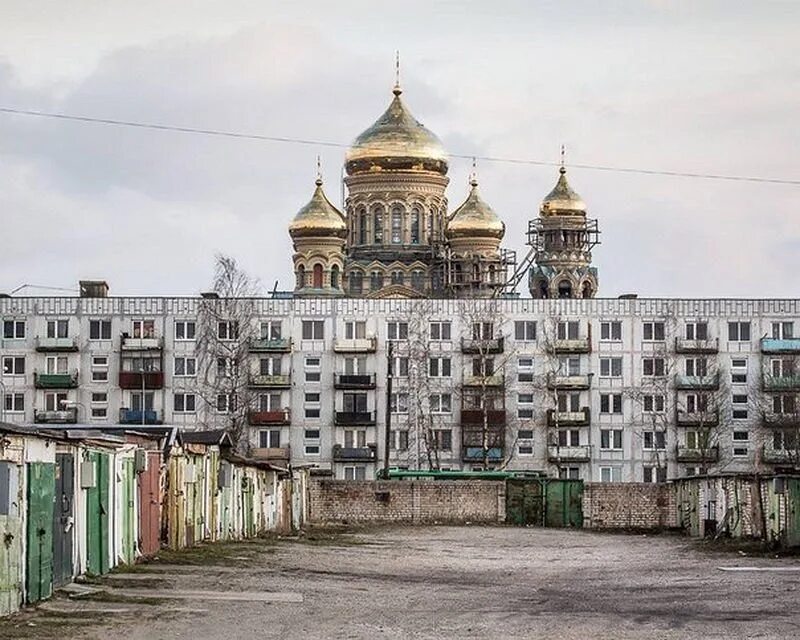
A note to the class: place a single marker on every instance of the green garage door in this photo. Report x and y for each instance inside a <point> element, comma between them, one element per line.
<point>41,495</point>
<point>544,502</point>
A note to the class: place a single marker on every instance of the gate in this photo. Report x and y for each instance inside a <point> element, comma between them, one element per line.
<point>150,506</point>
<point>97,511</point>
<point>41,488</point>
<point>793,512</point>
<point>549,502</point>
<point>128,510</point>
<point>63,530</point>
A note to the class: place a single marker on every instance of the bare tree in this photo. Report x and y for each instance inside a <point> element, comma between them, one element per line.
<point>777,405</point>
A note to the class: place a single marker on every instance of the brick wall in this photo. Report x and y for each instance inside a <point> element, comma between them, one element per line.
<point>406,501</point>
<point>628,505</point>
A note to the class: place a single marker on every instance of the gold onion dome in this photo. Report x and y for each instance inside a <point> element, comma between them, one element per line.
<point>396,141</point>
<point>475,218</point>
<point>562,199</point>
<point>318,218</point>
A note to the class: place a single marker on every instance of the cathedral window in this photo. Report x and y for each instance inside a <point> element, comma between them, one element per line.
<point>377,215</point>
<point>356,283</point>
<point>397,277</point>
<point>431,217</point>
<point>317,276</point>
<point>301,277</point>
<point>335,277</point>
<point>376,280</point>
<point>417,280</point>
<point>362,226</point>
<point>415,226</point>
<point>397,225</point>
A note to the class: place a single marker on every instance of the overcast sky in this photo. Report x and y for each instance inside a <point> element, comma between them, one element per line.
<point>705,87</point>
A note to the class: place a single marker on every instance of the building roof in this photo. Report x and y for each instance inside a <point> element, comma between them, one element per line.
<point>475,218</point>
<point>563,199</point>
<point>318,217</point>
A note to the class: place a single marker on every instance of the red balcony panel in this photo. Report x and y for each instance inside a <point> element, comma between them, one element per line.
<point>280,416</point>
<point>475,416</point>
<point>133,380</point>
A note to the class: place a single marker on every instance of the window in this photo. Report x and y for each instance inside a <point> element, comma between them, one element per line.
<point>417,280</point>
<point>783,403</point>
<point>482,330</point>
<point>311,434</point>
<point>397,277</point>
<point>56,364</point>
<point>569,402</point>
<point>356,281</point>
<point>14,402</point>
<point>440,330</point>
<point>270,330</point>
<point>441,403</point>
<point>270,402</point>
<point>185,366</point>
<point>782,367</point>
<point>14,365</point>
<point>228,330</point>
<point>611,367</point>
<point>269,438</point>
<point>415,226</point>
<point>653,330</point>
<point>99,413</point>
<point>355,330</point>
<point>184,329</point>
<point>696,331</point>
<point>739,331</point>
<point>311,449</point>
<point>399,402</point>
<point>99,368</point>
<point>227,367</point>
<point>653,367</point>
<point>355,473</point>
<point>482,367</point>
<point>312,371</point>
<point>99,397</point>
<point>567,330</point>
<point>653,403</point>
<point>270,366</point>
<point>13,329</point>
<point>144,328</point>
<point>311,397</point>
<point>398,440</point>
<point>611,438</point>
<point>740,452</point>
<point>739,370</point>
<point>311,412</point>
<point>396,330</point>
<point>697,439</point>
<point>740,403</point>
<point>610,474</point>
<point>611,331</point>
<point>397,225</point>
<point>696,367</point>
<point>141,402</point>
<point>226,402</point>
<point>654,474</point>
<point>184,403</point>
<point>525,330</point>
<point>569,438</point>
<point>99,329</point>
<point>400,367</point>
<point>783,330</point>
<point>610,403</point>
<point>442,439</point>
<point>439,367</point>
<point>569,473</point>
<point>313,329</point>
<point>54,401</point>
<point>784,440</point>
<point>741,436</point>
<point>654,440</point>
<point>355,438</point>
<point>569,365</point>
<point>355,402</point>
<point>375,280</point>
<point>525,405</point>
<point>57,328</point>
<point>525,369</point>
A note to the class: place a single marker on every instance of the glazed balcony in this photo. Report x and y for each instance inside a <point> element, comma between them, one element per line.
<point>141,344</point>
<point>494,380</point>
<point>270,382</point>
<point>568,418</point>
<point>59,345</point>
<point>706,454</point>
<point>355,454</point>
<point>482,346</point>
<point>354,418</point>
<point>275,455</point>
<point>138,380</point>
<point>557,454</point>
<point>354,381</point>
<point>782,420</point>
<point>697,383</point>
<point>572,345</point>
<point>770,455</point>
<point>569,382</point>
<point>781,383</point>
<point>355,345</point>
<point>66,416</point>
<point>495,417</point>
<point>270,345</point>
<point>55,380</point>
<point>477,454</point>
<point>697,419</point>
<point>135,416</point>
<point>262,418</point>
<point>707,346</point>
<point>776,346</point>
<point>477,442</point>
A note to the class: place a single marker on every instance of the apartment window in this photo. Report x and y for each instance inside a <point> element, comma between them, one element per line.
<point>99,397</point>
<point>525,330</point>
<point>355,330</point>
<point>13,329</point>
<point>400,367</point>
<point>784,440</point>
<point>355,402</point>
<point>653,367</point>
<point>99,405</point>
<point>739,370</point>
<point>696,367</point>
<point>313,330</point>
<point>355,365</point>
<point>569,402</point>
<point>312,369</point>
<point>228,330</point>
<point>739,331</point>
<point>654,474</point>
<point>443,439</point>
<point>311,412</point>
<point>740,405</point>
<point>185,366</point>
<point>569,365</point>
<point>567,330</point>
<point>653,403</point>
<point>441,402</point>
<point>311,397</point>
<point>226,403</point>
<point>311,405</point>
<point>184,329</point>
<point>741,436</point>
<point>440,330</point>
<point>54,401</point>
<point>782,367</point>
<point>227,367</point>
<point>399,402</point>
<point>270,402</point>
<point>355,438</point>
<point>653,331</point>
<point>610,474</point>
<point>98,413</point>
<point>697,439</point>
<point>611,331</point>
<point>696,331</point>
<point>144,328</point>
<point>783,330</point>
<point>396,330</point>
<point>184,403</point>
<point>525,369</point>
<point>654,440</point>
<point>525,405</point>
<point>611,367</point>
<point>99,329</point>
<point>355,473</point>
<point>482,330</point>
<point>270,330</point>
<point>398,440</point>
<point>56,364</point>
<point>439,367</point>
<point>611,438</point>
<point>139,401</point>
<point>569,473</point>
<point>99,368</point>
<point>57,328</point>
<point>269,438</point>
<point>525,448</point>
<point>740,452</point>
<point>270,366</point>
<point>696,403</point>
<point>610,403</point>
<point>14,365</point>
<point>14,402</point>
<point>311,434</point>
<point>482,367</point>
<point>569,438</point>
<point>784,403</point>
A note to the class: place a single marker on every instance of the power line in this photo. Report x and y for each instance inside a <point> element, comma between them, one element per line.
<point>326,143</point>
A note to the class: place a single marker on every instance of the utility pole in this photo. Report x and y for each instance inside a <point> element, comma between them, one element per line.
<point>388,433</point>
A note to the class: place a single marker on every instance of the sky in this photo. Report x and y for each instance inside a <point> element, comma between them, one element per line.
<point>672,85</point>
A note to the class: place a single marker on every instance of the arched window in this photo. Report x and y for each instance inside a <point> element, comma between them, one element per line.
<point>417,280</point>
<point>356,283</point>
<point>492,274</point>
<point>586,290</point>
<point>397,225</point>
<point>564,289</point>
<point>415,226</point>
<point>476,273</point>
<point>335,276</point>
<point>362,226</point>
<point>377,218</point>
<point>316,279</point>
<point>376,280</point>
<point>397,277</point>
<point>301,277</point>
<point>431,236</point>
<point>544,292</point>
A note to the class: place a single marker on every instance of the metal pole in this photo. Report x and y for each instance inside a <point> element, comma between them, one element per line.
<point>388,433</point>
<point>143,402</point>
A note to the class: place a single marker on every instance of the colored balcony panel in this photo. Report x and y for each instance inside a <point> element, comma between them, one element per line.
<point>777,346</point>
<point>271,345</point>
<point>138,380</point>
<point>259,418</point>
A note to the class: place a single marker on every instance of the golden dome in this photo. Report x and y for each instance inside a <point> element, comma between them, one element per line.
<point>475,218</point>
<point>562,199</point>
<point>396,141</point>
<point>318,217</point>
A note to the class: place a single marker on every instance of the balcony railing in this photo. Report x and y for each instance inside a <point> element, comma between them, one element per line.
<point>697,418</point>
<point>141,344</point>
<point>776,346</point>
<point>568,418</point>
<point>56,344</point>
<point>482,346</point>
<point>573,382</point>
<point>697,383</point>
<point>475,417</point>
<point>270,381</point>
<point>706,454</point>
<point>133,416</point>
<point>782,420</point>
<point>478,454</point>
<point>572,345</point>
<point>354,381</point>
<point>270,345</point>
<point>494,380</point>
<point>771,455</point>
<point>355,345</point>
<point>55,380</point>
<point>556,453</point>
<point>271,454</point>
<point>135,380</point>
<point>66,416</point>
<point>355,418</point>
<point>781,383</point>
<point>355,454</point>
<point>708,346</point>
<point>258,418</point>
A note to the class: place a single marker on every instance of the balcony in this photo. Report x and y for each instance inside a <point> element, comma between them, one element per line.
<point>62,345</point>
<point>568,418</point>
<point>495,417</point>
<point>707,454</point>
<point>477,454</point>
<point>131,416</point>
<point>556,453</point>
<point>572,345</point>
<point>771,455</point>
<point>55,380</point>
<point>137,380</point>
<point>776,346</point>
<point>494,380</point>
<point>482,347</point>
<point>67,416</point>
<point>141,344</point>
<point>782,420</point>
<point>707,346</point>
<point>781,383</point>
<point>355,345</point>
<point>697,383</point>
<point>354,381</point>
<point>276,455</point>
<point>355,454</point>
<point>270,345</point>
<point>697,419</point>
<point>270,382</point>
<point>477,442</point>
<point>262,418</point>
<point>354,418</point>
<point>571,382</point>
